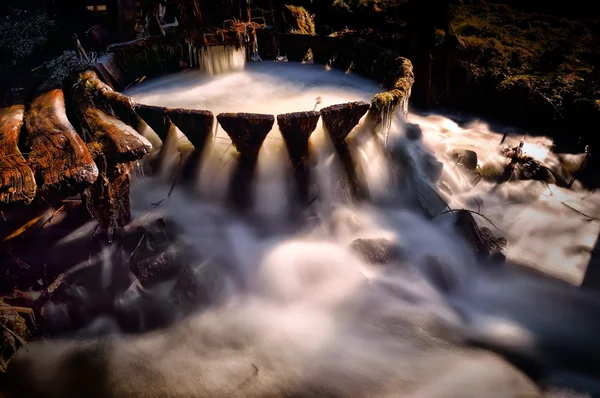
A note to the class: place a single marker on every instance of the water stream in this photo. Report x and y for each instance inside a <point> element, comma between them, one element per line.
<point>290,307</point>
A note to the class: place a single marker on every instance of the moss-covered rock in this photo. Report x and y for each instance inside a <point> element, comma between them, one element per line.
<point>298,20</point>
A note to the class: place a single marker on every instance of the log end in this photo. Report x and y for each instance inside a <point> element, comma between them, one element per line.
<point>339,120</point>
<point>247,130</point>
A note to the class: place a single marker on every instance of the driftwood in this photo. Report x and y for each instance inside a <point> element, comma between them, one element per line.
<point>113,146</point>
<point>296,129</point>
<point>58,156</point>
<point>17,183</point>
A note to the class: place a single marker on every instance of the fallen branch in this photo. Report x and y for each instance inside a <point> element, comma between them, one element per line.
<point>472,212</point>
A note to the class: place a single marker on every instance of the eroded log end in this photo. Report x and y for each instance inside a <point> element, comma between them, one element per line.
<point>296,129</point>
<point>57,155</point>
<point>339,120</point>
<point>119,142</point>
<point>156,117</point>
<point>17,182</point>
<point>247,131</point>
<point>196,125</point>
<point>108,198</point>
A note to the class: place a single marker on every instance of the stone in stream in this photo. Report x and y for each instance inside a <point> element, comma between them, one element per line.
<point>413,132</point>
<point>466,160</point>
<point>17,182</point>
<point>377,251</point>
<point>482,239</point>
<point>339,120</point>
<point>57,154</point>
<point>296,129</point>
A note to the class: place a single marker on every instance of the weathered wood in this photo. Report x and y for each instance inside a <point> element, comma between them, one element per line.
<point>156,117</point>
<point>17,182</point>
<point>296,129</point>
<point>196,125</point>
<point>247,130</point>
<point>339,120</point>
<point>58,156</point>
<point>119,142</point>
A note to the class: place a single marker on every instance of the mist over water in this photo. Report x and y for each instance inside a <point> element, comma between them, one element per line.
<point>289,306</point>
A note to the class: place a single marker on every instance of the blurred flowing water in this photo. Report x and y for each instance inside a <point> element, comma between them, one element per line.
<point>280,305</point>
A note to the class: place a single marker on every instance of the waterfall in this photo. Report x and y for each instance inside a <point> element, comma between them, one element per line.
<point>222,59</point>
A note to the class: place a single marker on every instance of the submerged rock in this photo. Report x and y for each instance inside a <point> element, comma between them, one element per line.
<point>377,251</point>
<point>482,239</point>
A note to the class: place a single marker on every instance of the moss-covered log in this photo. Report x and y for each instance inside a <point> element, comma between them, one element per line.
<point>57,155</point>
<point>17,182</point>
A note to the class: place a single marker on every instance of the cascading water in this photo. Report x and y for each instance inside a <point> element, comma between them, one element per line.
<point>367,299</point>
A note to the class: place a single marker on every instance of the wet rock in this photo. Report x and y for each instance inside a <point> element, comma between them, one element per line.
<point>482,239</point>
<point>17,182</point>
<point>247,130</point>
<point>413,132</point>
<point>465,157</point>
<point>323,49</point>
<point>531,169</point>
<point>377,251</point>
<point>294,47</point>
<point>57,155</point>
<point>156,252</point>
<point>339,120</point>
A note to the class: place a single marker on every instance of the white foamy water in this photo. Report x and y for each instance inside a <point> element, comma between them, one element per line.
<point>293,309</point>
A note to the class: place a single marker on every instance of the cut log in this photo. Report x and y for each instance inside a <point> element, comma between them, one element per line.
<point>17,182</point>
<point>246,130</point>
<point>296,129</point>
<point>196,125</point>
<point>119,142</point>
<point>157,119</point>
<point>58,156</point>
<point>339,120</point>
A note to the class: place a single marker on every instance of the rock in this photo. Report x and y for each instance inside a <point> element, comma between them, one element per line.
<point>433,167</point>
<point>439,273</point>
<point>466,158</point>
<point>413,132</point>
<point>531,169</point>
<point>247,130</point>
<point>17,182</point>
<point>482,239</point>
<point>339,120</point>
<point>377,251</point>
<point>57,155</point>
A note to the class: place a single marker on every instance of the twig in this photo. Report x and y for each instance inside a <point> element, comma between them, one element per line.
<point>176,175</point>
<point>52,216</point>
<point>157,203</point>
<point>478,205</point>
<point>577,211</point>
<point>136,247</point>
<point>472,212</point>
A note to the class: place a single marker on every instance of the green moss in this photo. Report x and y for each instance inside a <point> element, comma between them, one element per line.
<point>299,20</point>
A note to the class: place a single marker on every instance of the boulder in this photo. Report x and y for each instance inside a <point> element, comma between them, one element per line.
<point>377,251</point>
